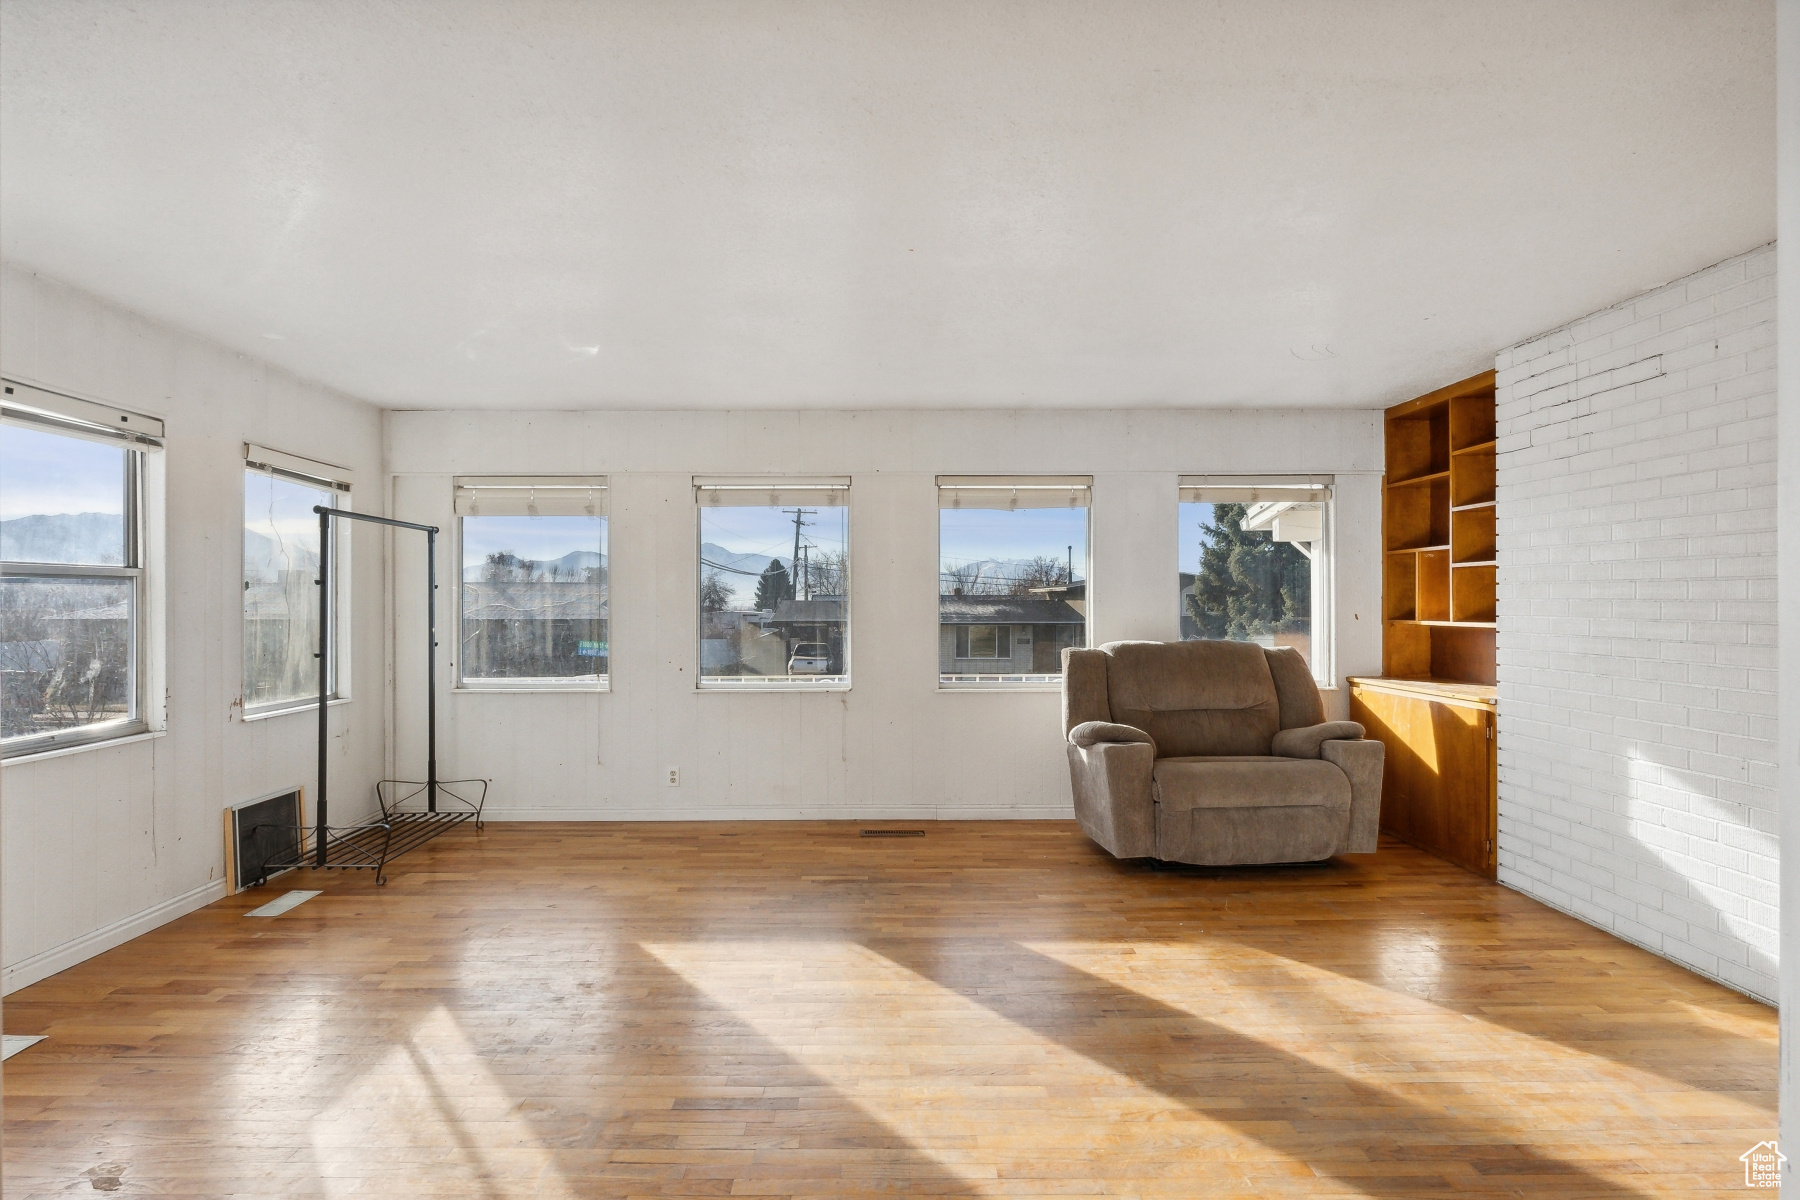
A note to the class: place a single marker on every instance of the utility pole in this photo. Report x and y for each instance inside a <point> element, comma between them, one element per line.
<point>799,513</point>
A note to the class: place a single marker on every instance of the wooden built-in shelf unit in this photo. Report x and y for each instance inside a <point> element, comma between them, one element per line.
<point>1434,704</point>
<point>1438,535</point>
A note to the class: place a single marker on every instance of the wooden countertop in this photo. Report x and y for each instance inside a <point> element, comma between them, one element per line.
<point>1432,689</point>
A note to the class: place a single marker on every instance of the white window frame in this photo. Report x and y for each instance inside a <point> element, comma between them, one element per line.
<point>1024,491</point>
<point>141,436</point>
<point>772,491</point>
<point>1253,489</point>
<point>529,496</point>
<point>339,481</point>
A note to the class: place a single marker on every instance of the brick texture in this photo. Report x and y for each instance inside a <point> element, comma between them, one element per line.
<point>1636,513</point>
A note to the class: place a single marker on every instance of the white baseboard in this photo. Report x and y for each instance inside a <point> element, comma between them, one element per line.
<point>674,812</point>
<point>60,958</point>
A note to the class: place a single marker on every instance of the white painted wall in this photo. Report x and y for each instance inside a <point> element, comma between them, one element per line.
<point>1637,620</point>
<point>1788,352</point>
<point>102,843</point>
<point>894,745</point>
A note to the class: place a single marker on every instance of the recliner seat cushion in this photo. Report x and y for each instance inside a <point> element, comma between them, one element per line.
<point>1195,698</point>
<point>1249,781</point>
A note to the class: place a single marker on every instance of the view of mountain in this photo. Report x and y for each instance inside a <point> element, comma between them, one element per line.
<point>986,576</point>
<point>265,558</point>
<point>719,558</point>
<point>97,538</point>
<point>569,566</point>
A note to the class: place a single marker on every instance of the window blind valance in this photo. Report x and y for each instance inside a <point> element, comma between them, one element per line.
<point>525,496</point>
<point>79,418</point>
<point>261,458</point>
<point>1260,489</point>
<point>1014,491</point>
<point>831,491</point>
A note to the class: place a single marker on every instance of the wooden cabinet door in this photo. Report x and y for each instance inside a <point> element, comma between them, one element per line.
<point>1437,787</point>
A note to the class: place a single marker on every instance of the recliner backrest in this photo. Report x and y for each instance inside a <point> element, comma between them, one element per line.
<point>1195,698</point>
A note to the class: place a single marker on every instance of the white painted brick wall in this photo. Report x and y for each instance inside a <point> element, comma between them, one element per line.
<point>1636,512</point>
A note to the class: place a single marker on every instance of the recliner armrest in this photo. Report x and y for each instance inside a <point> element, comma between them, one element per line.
<point>1305,741</point>
<point>1362,760</point>
<point>1090,733</point>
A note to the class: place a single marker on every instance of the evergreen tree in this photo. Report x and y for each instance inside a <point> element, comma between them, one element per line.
<point>774,586</point>
<point>1249,585</point>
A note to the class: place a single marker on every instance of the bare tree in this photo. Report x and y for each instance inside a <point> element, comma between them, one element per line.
<point>1040,572</point>
<point>827,572</point>
<point>714,595</point>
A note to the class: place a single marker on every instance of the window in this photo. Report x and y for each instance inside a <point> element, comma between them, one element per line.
<point>72,585</point>
<point>984,641</point>
<point>534,587</point>
<point>281,579</point>
<point>1255,562</point>
<point>1012,577</point>
<point>774,583</point>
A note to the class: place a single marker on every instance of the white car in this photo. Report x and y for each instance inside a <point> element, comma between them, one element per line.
<point>810,658</point>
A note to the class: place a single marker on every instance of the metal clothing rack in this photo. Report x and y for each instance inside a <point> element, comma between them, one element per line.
<point>372,845</point>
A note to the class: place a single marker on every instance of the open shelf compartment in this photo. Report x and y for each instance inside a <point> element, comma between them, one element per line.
<point>1472,596</point>
<point>1472,535</point>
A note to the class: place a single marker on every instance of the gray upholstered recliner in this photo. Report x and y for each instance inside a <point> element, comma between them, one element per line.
<point>1214,753</point>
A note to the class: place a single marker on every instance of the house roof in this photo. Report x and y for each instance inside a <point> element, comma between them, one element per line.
<point>809,612</point>
<point>1006,610</point>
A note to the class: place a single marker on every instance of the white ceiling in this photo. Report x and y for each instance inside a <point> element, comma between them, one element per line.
<point>919,203</point>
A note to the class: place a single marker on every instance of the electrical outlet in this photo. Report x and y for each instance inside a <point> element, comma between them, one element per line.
<point>674,776</point>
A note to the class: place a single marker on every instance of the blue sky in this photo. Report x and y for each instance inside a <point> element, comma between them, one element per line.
<point>970,534</point>
<point>540,539</point>
<point>1188,523</point>
<point>50,473</point>
<point>765,530</point>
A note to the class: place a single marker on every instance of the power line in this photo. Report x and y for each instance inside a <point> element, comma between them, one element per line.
<point>707,562</point>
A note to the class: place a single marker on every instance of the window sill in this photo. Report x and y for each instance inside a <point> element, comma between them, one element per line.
<point>100,744</point>
<point>532,690</point>
<point>978,688</point>
<point>311,706</point>
<point>785,689</point>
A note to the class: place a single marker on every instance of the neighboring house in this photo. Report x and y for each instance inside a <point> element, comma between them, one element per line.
<point>82,670</point>
<point>279,634</point>
<point>558,626</point>
<point>819,620</point>
<point>738,642</point>
<point>1008,635</point>
<point>1074,594</point>
<point>1190,629</point>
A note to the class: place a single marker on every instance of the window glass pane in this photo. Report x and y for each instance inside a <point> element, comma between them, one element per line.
<point>62,499</point>
<point>534,599</point>
<point>774,595</point>
<point>281,591</point>
<point>66,653</point>
<point>1012,590</point>
<point>1239,583</point>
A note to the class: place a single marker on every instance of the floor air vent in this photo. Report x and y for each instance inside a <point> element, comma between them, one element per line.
<point>893,833</point>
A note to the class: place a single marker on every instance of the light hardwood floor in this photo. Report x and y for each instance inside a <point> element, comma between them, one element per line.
<point>996,1008</point>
